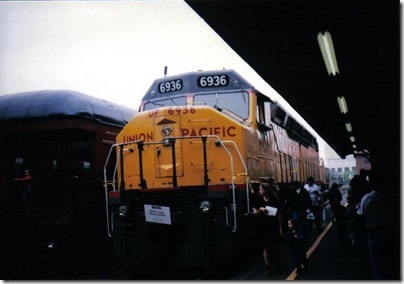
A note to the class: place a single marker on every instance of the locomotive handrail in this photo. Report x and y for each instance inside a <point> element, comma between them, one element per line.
<point>233,188</point>
<point>227,215</point>
<point>113,183</point>
<point>122,185</point>
<point>114,176</point>
<point>106,189</point>
<point>246,173</point>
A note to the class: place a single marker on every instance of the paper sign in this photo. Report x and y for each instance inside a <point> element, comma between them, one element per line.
<point>157,214</point>
<point>271,210</point>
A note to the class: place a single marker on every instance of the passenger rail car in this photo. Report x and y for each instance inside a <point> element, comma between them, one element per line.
<point>63,138</point>
<point>188,164</point>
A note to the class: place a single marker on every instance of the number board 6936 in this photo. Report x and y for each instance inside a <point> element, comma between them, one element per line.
<point>170,86</point>
<point>210,81</point>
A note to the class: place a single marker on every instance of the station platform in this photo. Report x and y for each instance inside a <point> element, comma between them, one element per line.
<point>329,259</point>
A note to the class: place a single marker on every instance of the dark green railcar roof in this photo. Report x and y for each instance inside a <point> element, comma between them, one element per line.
<point>47,103</point>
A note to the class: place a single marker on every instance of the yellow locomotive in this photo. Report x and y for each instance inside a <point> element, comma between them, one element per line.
<point>187,165</point>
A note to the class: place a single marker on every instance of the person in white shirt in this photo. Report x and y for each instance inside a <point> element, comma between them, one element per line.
<point>314,192</point>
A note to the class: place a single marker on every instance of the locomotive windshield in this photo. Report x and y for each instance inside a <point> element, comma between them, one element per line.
<point>167,101</point>
<point>235,102</point>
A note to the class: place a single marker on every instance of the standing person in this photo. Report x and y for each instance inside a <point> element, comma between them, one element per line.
<point>298,202</point>
<point>26,196</point>
<point>335,197</point>
<point>315,208</point>
<point>280,192</point>
<point>373,208</point>
<point>296,240</point>
<point>269,225</point>
<point>358,187</point>
<point>352,221</point>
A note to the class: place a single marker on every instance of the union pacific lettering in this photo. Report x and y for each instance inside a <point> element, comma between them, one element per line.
<point>219,131</point>
<point>145,137</point>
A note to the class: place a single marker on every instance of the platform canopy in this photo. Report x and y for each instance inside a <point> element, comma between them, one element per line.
<point>279,40</point>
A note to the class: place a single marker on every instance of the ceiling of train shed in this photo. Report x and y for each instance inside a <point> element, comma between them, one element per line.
<point>278,39</point>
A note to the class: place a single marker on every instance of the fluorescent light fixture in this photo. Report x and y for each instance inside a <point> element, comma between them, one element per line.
<point>327,50</point>
<point>348,127</point>
<point>354,146</point>
<point>355,152</point>
<point>342,104</point>
<point>352,138</point>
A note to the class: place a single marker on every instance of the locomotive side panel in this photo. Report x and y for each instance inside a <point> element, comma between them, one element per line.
<point>294,160</point>
<point>260,154</point>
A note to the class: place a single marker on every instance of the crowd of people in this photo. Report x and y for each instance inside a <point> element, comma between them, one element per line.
<point>284,213</point>
<point>289,213</point>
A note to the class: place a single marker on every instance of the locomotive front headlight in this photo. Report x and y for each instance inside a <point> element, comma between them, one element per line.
<point>122,211</point>
<point>166,130</point>
<point>236,83</point>
<point>205,206</point>
<point>166,141</point>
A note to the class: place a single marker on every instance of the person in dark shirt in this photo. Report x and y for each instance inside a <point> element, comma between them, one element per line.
<point>26,196</point>
<point>334,196</point>
<point>359,186</point>
<point>356,224</point>
<point>269,225</point>
<point>298,202</point>
<point>296,241</point>
<point>374,209</point>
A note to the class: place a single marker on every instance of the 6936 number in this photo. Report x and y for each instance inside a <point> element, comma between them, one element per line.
<point>213,81</point>
<point>181,110</point>
<point>170,86</point>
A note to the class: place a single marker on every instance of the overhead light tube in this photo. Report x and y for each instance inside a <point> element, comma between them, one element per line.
<point>352,138</point>
<point>348,127</point>
<point>327,50</point>
<point>342,104</point>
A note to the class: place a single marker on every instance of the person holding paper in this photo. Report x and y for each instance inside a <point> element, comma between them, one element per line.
<point>269,225</point>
